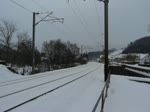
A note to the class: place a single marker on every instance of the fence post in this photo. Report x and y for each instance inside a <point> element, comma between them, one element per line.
<point>106,89</point>
<point>102,105</point>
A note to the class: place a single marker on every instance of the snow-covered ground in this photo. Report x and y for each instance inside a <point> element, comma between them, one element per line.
<point>117,52</point>
<point>81,88</point>
<point>78,96</point>
<point>127,96</point>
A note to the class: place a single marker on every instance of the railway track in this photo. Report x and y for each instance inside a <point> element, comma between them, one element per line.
<point>82,73</point>
<point>18,91</point>
<point>28,78</point>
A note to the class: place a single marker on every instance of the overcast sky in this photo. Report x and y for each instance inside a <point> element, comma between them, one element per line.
<point>83,24</point>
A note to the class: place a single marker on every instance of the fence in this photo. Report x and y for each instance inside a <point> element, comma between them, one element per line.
<point>103,95</point>
<point>137,68</point>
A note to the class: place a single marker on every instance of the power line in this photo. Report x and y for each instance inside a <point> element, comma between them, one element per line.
<point>79,19</point>
<point>54,17</point>
<point>55,25</point>
<point>82,16</point>
<point>97,12</point>
<point>66,26</point>
<point>40,5</point>
<point>80,12</point>
<point>98,19</point>
<point>21,6</point>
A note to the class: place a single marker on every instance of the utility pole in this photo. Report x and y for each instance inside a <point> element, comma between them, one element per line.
<point>106,38</point>
<point>106,69</point>
<point>53,19</point>
<point>33,42</point>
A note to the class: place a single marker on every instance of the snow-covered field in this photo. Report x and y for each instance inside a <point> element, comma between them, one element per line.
<point>71,90</point>
<point>127,96</point>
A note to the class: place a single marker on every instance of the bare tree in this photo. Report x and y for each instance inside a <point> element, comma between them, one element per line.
<point>7,30</point>
<point>22,37</point>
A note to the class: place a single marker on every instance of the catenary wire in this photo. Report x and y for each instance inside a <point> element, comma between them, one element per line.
<point>21,6</point>
<point>65,25</point>
<point>75,13</point>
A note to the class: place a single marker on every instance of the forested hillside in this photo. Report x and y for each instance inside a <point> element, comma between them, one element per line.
<point>141,45</point>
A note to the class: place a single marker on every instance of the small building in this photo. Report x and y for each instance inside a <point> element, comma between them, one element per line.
<point>145,60</point>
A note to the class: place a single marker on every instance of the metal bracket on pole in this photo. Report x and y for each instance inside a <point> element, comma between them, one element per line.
<point>43,18</point>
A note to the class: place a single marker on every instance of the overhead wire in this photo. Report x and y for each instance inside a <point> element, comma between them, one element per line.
<point>75,13</point>
<point>82,16</point>
<point>39,5</point>
<point>21,6</point>
<point>56,26</point>
<point>67,27</point>
<point>80,12</point>
<point>85,28</point>
<point>98,19</point>
<point>63,24</point>
<point>24,7</point>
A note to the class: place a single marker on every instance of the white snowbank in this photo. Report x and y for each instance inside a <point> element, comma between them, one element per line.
<point>6,74</point>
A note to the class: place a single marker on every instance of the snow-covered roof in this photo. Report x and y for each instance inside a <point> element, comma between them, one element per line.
<point>118,54</point>
<point>141,56</point>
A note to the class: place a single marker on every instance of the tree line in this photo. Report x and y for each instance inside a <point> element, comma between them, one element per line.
<point>55,53</point>
<point>141,45</point>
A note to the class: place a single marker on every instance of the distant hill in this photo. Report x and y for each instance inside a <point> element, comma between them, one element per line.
<point>141,45</point>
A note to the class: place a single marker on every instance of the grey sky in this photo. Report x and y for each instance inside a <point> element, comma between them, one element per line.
<point>128,21</point>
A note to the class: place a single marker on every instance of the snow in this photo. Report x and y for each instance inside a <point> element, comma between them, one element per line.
<point>127,96</point>
<point>139,72</point>
<point>137,66</point>
<point>117,52</point>
<point>80,95</point>
<point>6,74</point>
<point>141,56</point>
<point>124,95</point>
<point>76,97</point>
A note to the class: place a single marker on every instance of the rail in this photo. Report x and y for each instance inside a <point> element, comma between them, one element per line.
<point>103,95</point>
